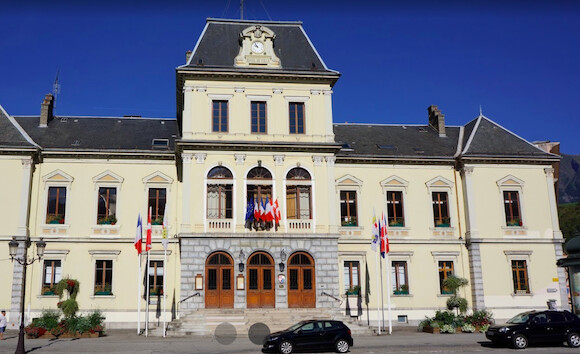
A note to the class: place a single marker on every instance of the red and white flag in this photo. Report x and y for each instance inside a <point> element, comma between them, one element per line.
<point>277,212</point>
<point>139,235</point>
<point>148,242</point>
<point>384,237</point>
<point>269,216</point>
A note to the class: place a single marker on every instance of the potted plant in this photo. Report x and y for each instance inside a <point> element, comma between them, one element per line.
<point>55,219</point>
<point>349,221</point>
<point>443,222</point>
<point>402,290</point>
<point>158,220</point>
<point>353,290</point>
<point>514,222</point>
<point>452,284</point>
<point>397,222</point>
<point>49,290</point>
<point>107,220</point>
<point>103,290</point>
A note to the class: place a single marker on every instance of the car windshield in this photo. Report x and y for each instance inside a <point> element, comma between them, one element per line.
<point>296,326</point>
<point>521,318</point>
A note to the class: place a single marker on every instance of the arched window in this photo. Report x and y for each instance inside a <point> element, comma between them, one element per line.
<point>298,194</point>
<point>259,187</point>
<point>219,193</point>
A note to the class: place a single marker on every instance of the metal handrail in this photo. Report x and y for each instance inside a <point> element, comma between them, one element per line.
<point>189,297</point>
<point>332,296</point>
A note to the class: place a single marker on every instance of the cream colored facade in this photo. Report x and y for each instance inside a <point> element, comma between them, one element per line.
<point>477,242</point>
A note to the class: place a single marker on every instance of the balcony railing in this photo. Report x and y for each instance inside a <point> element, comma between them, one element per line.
<point>219,224</point>
<point>299,224</point>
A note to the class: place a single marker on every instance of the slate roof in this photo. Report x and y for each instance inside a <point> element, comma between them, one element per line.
<point>488,138</point>
<point>10,136</point>
<point>101,134</point>
<point>219,44</point>
<point>396,141</point>
<point>481,139</point>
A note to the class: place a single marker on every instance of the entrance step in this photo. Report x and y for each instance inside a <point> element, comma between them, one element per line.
<point>237,322</point>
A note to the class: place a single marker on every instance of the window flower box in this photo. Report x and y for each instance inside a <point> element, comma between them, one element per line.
<point>107,220</point>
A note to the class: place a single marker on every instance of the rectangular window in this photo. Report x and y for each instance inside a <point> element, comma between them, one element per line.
<point>520,277</point>
<point>258,117</point>
<point>219,201</point>
<point>511,202</point>
<point>157,201</point>
<point>107,205</point>
<point>298,202</point>
<point>351,275</point>
<point>441,209</point>
<point>55,209</point>
<point>399,276</point>
<point>103,277</point>
<point>296,117</point>
<point>445,270</point>
<point>348,208</point>
<point>156,274</point>
<point>395,208</point>
<point>52,273</point>
<point>220,116</point>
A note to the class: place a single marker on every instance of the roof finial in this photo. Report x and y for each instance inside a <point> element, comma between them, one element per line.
<point>480,111</point>
<point>241,9</point>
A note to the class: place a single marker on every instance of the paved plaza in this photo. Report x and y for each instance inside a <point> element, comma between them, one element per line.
<point>403,340</point>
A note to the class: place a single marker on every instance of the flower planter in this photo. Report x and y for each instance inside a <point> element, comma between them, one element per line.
<point>430,329</point>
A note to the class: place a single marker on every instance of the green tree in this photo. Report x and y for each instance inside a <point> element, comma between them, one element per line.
<point>569,216</point>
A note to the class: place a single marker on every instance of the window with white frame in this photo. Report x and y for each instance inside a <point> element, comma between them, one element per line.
<point>107,185</point>
<point>104,264</point>
<point>511,189</point>
<point>348,192</point>
<point>351,276</point>
<point>51,275</point>
<point>156,274</point>
<point>445,262</point>
<point>441,193</point>
<point>157,187</point>
<point>400,283</point>
<point>445,271</point>
<point>395,188</point>
<point>298,194</point>
<point>57,184</point>
<point>518,261</point>
<point>220,193</point>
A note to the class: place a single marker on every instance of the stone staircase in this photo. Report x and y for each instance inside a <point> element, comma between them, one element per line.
<point>237,322</point>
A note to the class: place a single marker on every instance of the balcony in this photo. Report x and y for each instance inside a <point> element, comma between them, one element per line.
<point>218,225</point>
<point>299,225</point>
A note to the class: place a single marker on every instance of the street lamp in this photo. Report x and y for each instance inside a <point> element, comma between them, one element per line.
<point>242,258</point>
<point>24,261</point>
<point>283,258</point>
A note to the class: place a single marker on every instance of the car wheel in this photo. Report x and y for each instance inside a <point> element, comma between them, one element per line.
<point>286,347</point>
<point>342,346</point>
<point>573,340</point>
<point>520,341</point>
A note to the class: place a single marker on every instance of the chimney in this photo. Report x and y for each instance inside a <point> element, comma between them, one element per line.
<point>437,120</point>
<point>187,56</point>
<point>46,110</point>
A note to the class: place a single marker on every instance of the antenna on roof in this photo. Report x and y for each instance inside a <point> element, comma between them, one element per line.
<point>241,9</point>
<point>56,87</point>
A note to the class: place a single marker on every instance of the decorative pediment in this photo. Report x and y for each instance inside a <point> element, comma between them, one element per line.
<point>108,177</point>
<point>57,176</point>
<point>394,181</point>
<point>439,182</point>
<point>158,177</point>
<point>257,48</point>
<point>349,180</point>
<point>510,180</point>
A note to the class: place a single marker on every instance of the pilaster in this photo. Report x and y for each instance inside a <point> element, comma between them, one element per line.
<point>185,227</point>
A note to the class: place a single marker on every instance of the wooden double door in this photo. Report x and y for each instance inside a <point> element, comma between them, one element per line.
<point>301,281</point>
<point>260,272</point>
<point>219,281</point>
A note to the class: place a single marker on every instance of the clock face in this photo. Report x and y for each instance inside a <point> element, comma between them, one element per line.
<point>257,47</point>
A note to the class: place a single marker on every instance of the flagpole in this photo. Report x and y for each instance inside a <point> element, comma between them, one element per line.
<point>164,296</point>
<point>378,297</point>
<point>139,297</point>
<point>147,305</point>
<point>388,292</point>
<point>382,295</point>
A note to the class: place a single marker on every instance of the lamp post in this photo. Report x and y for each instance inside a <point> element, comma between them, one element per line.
<point>24,261</point>
<point>242,258</point>
<point>283,258</point>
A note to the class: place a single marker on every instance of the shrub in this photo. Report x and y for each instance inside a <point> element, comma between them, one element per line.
<point>444,317</point>
<point>481,318</point>
<point>48,319</point>
<point>447,328</point>
<point>484,328</point>
<point>34,331</point>
<point>96,318</point>
<point>83,324</point>
<point>468,328</point>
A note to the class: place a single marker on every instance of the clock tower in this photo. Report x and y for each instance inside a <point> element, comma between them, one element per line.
<point>257,48</point>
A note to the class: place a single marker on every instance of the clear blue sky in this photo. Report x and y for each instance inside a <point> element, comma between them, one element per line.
<point>520,61</point>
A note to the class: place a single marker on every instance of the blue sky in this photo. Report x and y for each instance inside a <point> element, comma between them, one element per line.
<point>518,60</point>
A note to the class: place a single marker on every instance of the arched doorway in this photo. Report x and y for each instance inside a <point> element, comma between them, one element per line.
<point>219,281</point>
<point>260,291</point>
<point>301,281</point>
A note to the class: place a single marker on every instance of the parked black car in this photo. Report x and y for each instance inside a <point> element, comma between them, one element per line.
<point>310,335</point>
<point>537,327</point>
